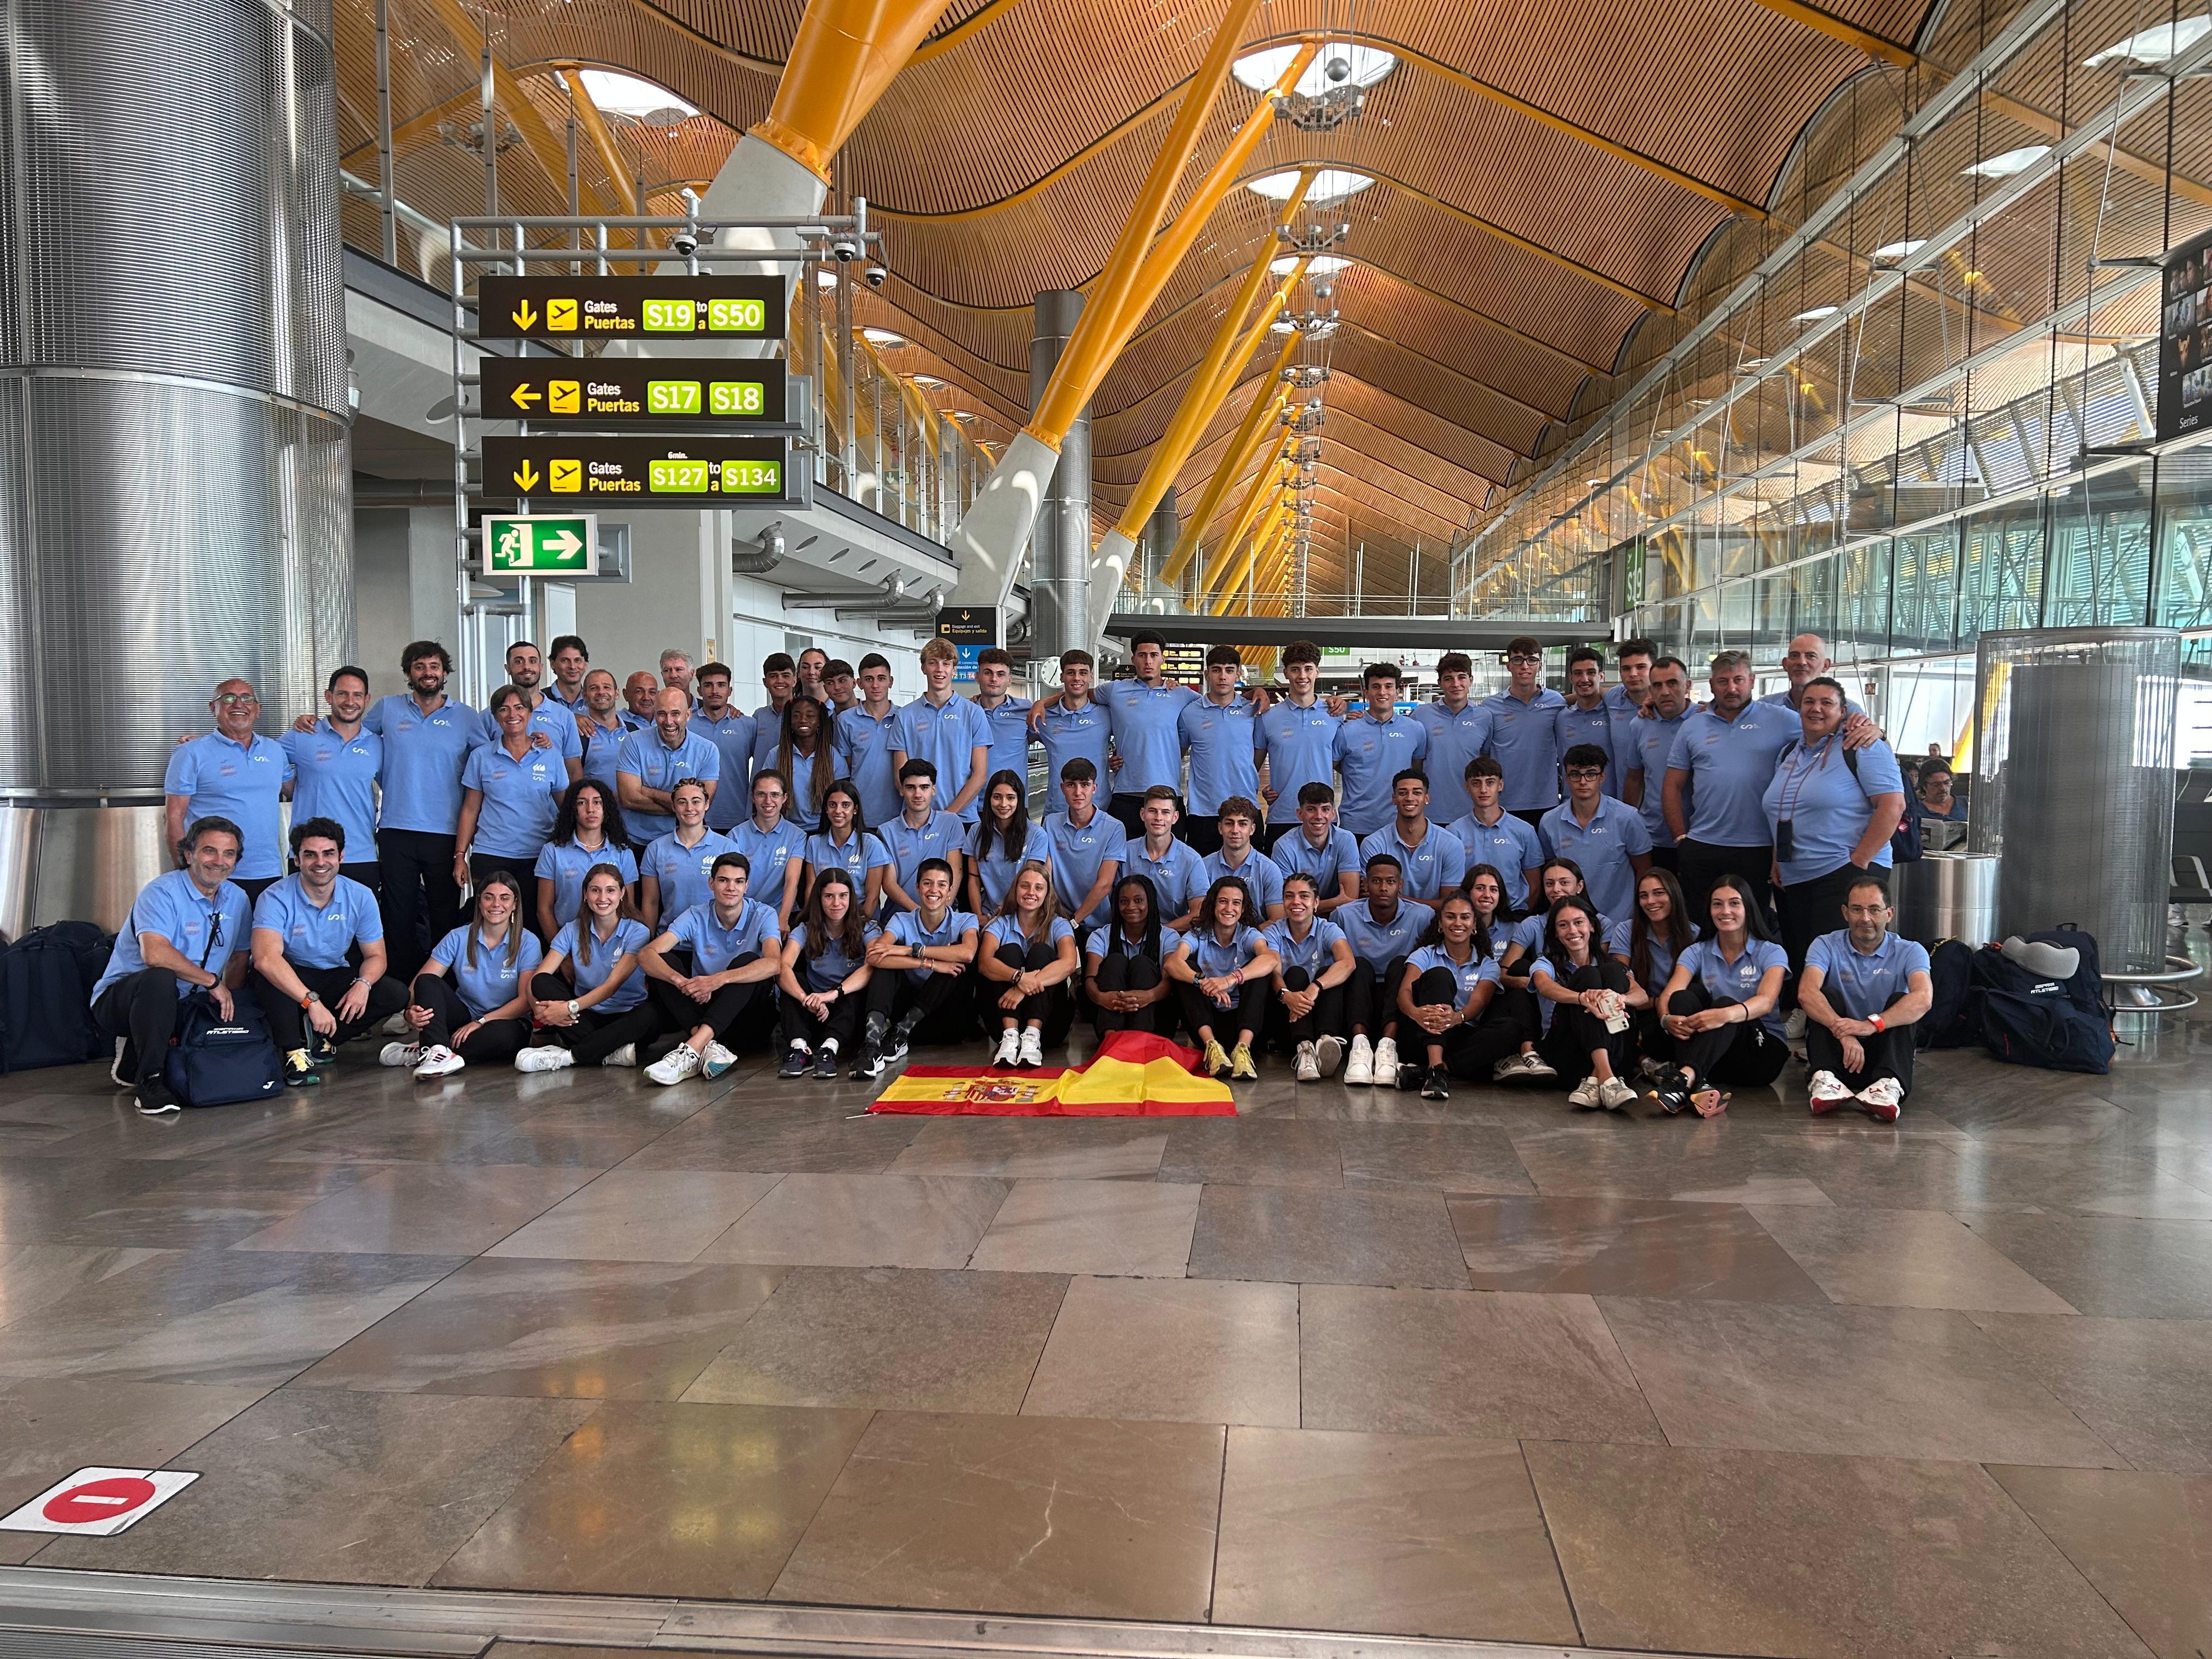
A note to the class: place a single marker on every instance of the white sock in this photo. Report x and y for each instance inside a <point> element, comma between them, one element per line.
<point>829,1045</point>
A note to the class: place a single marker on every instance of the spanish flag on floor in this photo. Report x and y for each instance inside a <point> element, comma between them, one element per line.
<point>1134,1074</point>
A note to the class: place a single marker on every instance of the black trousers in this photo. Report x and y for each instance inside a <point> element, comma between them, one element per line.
<point>1748,1053</point>
<point>368,873</point>
<point>1325,1020</point>
<point>939,1009</point>
<point>1666,857</point>
<point>1576,1034</point>
<point>1810,908</point>
<point>843,1021</point>
<point>1468,1051</point>
<point>495,1042</point>
<point>522,867</point>
<point>1698,865</point>
<point>420,899</point>
<point>1531,816</point>
<point>724,1011</point>
<point>1370,998</point>
<point>1052,1007</point>
<point>1888,1053</point>
<point>287,1021</point>
<point>1119,973</point>
<point>595,1035</point>
<point>142,1009</point>
<point>1200,1013</point>
<point>1202,831</point>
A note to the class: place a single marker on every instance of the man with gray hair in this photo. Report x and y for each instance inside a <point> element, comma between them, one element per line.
<point>676,674</point>
<point>1717,776</point>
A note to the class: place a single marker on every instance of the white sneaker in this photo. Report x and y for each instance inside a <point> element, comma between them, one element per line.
<point>716,1060</point>
<point>1828,1092</point>
<point>545,1057</point>
<point>438,1061</point>
<point>401,1054</point>
<point>395,1026</point>
<point>1585,1094</point>
<point>679,1063</point>
<point>1032,1050</point>
<point>1329,1054</point>
<point>115,1070</point>
<point>1010,1048</point>
<point>1793,1029</point>
<point>1882,1099</point>
<point>1305,1067</point>
<point>1535,1068</point>
<point>625,1056</point>
<point>1613,1094</point>
<point>1386,1060</point>
<point>1360,1068</point>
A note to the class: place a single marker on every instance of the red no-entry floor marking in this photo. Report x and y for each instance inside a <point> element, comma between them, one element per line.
<point>98,1502</point>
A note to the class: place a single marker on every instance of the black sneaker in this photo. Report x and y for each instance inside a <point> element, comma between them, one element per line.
<point>1409,1077</point>
<point>795,1062</point>
<point>299,1070</point>
<point>825,1063</point>
<point>1671,1091</point>
<point>897,1051</point>
<point>871,1062</point>
<point>321,1051</point>
<point>155,1099</point>
<point>1438,1085</point>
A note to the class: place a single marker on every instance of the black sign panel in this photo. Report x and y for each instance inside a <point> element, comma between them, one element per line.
<point>626,392</point>
<point>1184,664</point>
<point>705,470</point>
<point>630,308</point>
<point>2185,341</point>
<point>969,624</point>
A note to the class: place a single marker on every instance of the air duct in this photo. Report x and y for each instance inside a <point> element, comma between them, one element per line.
<point>762,557</point>
<point>890,592</point>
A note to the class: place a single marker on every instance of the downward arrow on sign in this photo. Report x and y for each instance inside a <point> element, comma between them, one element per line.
<point>527,475</point>
<point>526,315</point>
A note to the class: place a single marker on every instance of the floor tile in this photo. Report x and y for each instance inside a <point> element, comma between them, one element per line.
<point>1183,1349</point>
<point>2144,1384</point>
<point>44,1200</point>
<point>913,1340</point>
<point>425,1210</point>
<point>1865,1382</point>
<point>1413,1534</point>
<point>2124,1268</point>
<point>640,1215</point>
<point>1037,1149</point>
<point>1315,1235</point>
<point>1626,1247</point>
<point>732,1137</point>
<point>1091,1227</point>
<point>1252,1152</point>
<point>1494,1364</point>
<point>703,1501</point>
<point>1902,1259</point>
<point>1456,1158</point>
<point>320,1484</point>
<point>1667,1158</point>
<point>2144,1540</point>
<point>864,1221</point>
<point>31,1276</point>
<point>1817,1558</point>
<point>591,1330</point>
<point>215,1204</point>
<point>1019,1515</point>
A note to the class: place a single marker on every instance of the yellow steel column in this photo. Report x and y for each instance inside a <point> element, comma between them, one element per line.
<point>1268,402</point>
<point>845,54</point>
<point>1242,566</point>
<point>1257,501</point>
<point>1267,496</point>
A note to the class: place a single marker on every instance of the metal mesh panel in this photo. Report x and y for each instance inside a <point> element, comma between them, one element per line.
<point>2074,783</point>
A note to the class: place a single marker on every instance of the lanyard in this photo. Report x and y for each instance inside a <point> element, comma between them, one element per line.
<point>1796,775</point>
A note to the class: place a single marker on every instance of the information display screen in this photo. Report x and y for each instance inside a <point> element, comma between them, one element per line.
<point>639,471</point>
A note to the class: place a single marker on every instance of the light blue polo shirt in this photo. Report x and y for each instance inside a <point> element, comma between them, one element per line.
<point>1454,740</point>
<point>1651,743</point>
<point>565,865</point>
<point>1827,806</point>
<point>1738,981</point>
<point>1261,875</point>
<point>863,851</point>
<point>1300,744</point>
<point>1511,847</point>
<point>1220,739</point>
<point>684,874</point>
<point>1068,734</point>
<point>834,966</point>
<point>996,873</point>
<point>521,799</point>
<point>734,737</point>
<point>1146,723</point>
<point>423,754</point>
<point>801,806</point>
<point>905,928</point>
<point>1214,956</point>
<point>1007,930</point>
<point>943,836</point>
<point>1622,715</point>
<point>648,759</point>
<point>767,738</point>
<point>628,938</point>
<point>767,851</point>
<point>242,782</point>
<point>1730,763</point>
<point>1474,971</point>
<point>1077,852</point>
<point>335,777</point>
<point>1602,848</point>
<point>1524,740</point>
<point>1577,725</point>
<point>1379,943</point>
<point>1369,754</point>
<point>1177,876</point>
<point>1620,941</point>
<point>603,751</point>
<point>1327,863</point>
<point>555,720</point>
<point>1314,953</point>
<point>492,980</point>
<point>866,744</point>
<point>205,931</point>
<point>318,937</point>
<point>946,735</point>
<point>715,947</point>
<point>1432,869</point>
<point>1009,727</point>
<point>1859,984</point>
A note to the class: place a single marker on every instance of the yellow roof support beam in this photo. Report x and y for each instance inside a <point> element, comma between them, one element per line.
<point>1242,566</point>
<point>1262,411</point>
<point>845,54</point>
<point>1269,486</point>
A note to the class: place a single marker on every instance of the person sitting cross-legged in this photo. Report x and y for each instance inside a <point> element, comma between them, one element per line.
<point>825,975</point>
<point>587,997</point>
<point>1720,1004</point>
<point>483,1012</point>
<point>1862,990</point>
<point>307,928</point>
<point>704,970</point>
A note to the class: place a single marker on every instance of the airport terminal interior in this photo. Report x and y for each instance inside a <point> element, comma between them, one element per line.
<point>1223,829</point>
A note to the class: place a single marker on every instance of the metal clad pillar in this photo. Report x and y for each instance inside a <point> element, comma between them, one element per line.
<point>1059,544</point>
<point>175,476</point>
<point>1162,531</point>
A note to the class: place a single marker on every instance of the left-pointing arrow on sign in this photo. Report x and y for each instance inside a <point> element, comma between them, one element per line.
<point>527,475</point>
<point>525,396</point>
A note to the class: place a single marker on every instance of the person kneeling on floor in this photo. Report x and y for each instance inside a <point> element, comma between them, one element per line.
<point>1450,991</point>
<point>1862,990</point>
<point>483,1013</point>
<point>588,995</point>
<point>1722,1005</point>
<point>306,928</point>
<point>824,976</point>
<point>705,970</point>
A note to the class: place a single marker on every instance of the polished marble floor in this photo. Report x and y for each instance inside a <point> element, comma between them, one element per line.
<point>1351,1361</point>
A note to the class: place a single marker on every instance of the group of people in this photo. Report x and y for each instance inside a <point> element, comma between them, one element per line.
<point>652,869</point>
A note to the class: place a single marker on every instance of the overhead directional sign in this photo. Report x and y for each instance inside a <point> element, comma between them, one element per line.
<point>626,391</point>
<point>642,471</point>
<point>630,308</point>
<point>541,545</point>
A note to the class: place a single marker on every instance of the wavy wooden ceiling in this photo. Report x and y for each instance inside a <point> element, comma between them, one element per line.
<point>1501,261</point>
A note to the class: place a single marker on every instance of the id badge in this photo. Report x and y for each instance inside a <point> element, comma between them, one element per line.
<point>1785,841</point>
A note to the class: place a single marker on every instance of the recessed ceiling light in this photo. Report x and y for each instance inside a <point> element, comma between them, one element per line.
<point>1904,250</point>
<point>1365,65</point>
<point>960,414</point>
<point>1329,185</point>
<point>1320,265</point>
<point>2012,161</point>
<point>2154,45</point>
<point>618,94</point>
<point>1815,313</point>
<point>927,380</point>
<point>882,337</point>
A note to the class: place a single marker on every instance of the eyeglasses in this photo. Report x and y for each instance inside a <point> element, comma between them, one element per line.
<point>1586,771</point>
<point>1523,656</point>
<point>238,700</point>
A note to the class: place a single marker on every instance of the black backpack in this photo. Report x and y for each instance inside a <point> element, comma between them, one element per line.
<point>214,1061</point>
<point>46,997</point>
<point>1950,1021</point>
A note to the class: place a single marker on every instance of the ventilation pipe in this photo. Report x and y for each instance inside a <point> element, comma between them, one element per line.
<point>762,557</point>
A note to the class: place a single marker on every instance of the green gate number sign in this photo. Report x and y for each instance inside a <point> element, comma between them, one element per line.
<point>540,545</point>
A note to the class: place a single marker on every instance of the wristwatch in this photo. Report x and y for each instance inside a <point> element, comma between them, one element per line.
<point>917,953</point>
<point>574,1010</point>
<point>1874,1020</point>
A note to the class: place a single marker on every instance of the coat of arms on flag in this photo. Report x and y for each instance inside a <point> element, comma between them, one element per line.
<point>1134,1074</point>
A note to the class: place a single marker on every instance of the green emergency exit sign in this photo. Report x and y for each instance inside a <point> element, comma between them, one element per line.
<point>539,544</point>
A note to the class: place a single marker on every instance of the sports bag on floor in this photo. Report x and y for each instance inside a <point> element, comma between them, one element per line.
<point>2060,1025</point>
<point>214,1061</point>
<point>46,997</point>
